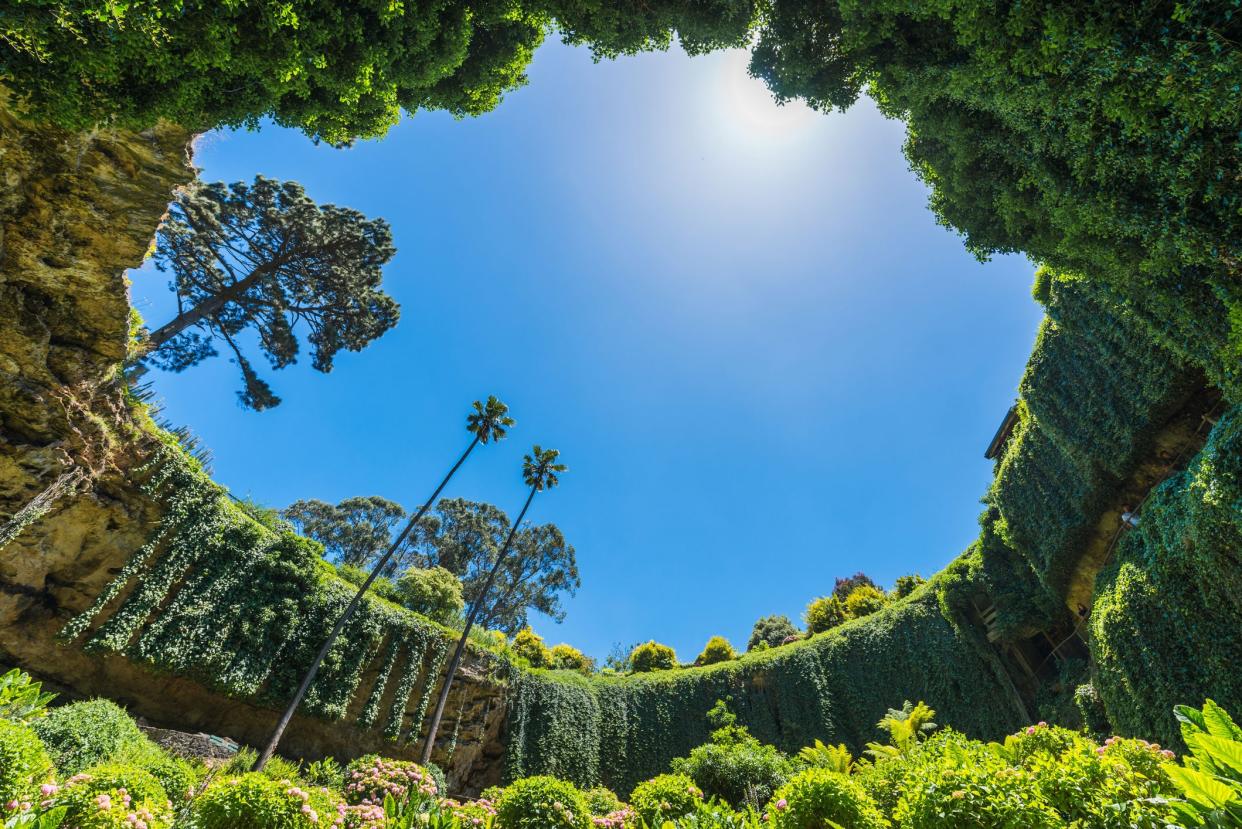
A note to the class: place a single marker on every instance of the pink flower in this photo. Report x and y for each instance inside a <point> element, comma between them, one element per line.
<point>1030,729</point>
<point>782,805</point>
<point>48,789</point>
<point>11,805</point>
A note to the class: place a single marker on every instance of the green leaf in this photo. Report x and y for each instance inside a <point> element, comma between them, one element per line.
<point>1218,723</point>
<point>1227,753</point>
<point>1201,788</point>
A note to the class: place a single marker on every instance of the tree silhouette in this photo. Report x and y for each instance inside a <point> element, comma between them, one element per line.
<point>540,471</point>
<point>265,257</point>
<point>488,422</point>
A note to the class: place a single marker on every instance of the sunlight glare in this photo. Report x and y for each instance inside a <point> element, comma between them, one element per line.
<point>749,107</point>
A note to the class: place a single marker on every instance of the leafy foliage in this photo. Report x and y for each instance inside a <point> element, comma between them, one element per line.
<point>568,658</point>
<point>824,613</point>
<point>371,779</point>
<point>114,796</point>
<point>433,592</point>
<point>818,797</point>
<point>529,645</point>
<point>734,766</point>
<point>256,801</point>
<point>665,797</point>
<point>1164,626</point>
<point>21,700</point>
<point>354,532</point>
<point>1211,779</point>
<point>83,734</point>
<point>772,631</point>
<point>24,763</point>
<point>542,803</point>
<point>264,256</point>
<point>652,656</point>
<point>716,650</point>
<point>863,601</point>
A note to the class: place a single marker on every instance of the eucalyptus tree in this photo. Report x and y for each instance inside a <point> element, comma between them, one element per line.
<point>354,531</point>
<point>265,258</point>
<point>488,422</point>
<point>540,471</point>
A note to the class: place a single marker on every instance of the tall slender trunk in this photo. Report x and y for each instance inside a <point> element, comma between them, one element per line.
<point>209,306</point>
<point>349,611</point>
<point>475,607</point>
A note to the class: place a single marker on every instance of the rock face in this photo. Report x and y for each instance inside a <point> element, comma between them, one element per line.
<point>75,212</point>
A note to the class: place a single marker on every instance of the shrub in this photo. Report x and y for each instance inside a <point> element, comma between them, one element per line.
<point>824,613</point>
<point>84,734</point>
<point>845,586</point>
<point>816,796</point>
<point>326,772</point>
<point>177,776</point>
<point>437,775</point>
<point>368,779</point>
<point>734,766</point>
<point>542,803</point>
<point>24,763</point>
<point>114,796</point>
<point>771,631</point>
<point>21,700</point>
<point>568,658</point>
<point>255,801</point>
<point>433,592</point>
<point>357,576</point>
<point>529,645</point>
<point>602,801</point>
<point>652,656</point>
<point>666,797</point>
<point>905,585</point>
<point>716,650</point>
<point>863,601</point>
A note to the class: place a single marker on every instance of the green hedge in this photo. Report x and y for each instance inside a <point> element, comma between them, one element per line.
<point>620,730</point>
<point>1168,612</point>
<point>242,608</point>
<point>1095,392</point>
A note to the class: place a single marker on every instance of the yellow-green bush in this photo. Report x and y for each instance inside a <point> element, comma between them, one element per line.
<point>83,734</point>
<point>542,803</point>
<point>115,796</point>
<point>652,656</point>
<point>824,613</point>
<point>863,601</point>
<point>255,801</point>
<point>717,649</point>
<point>818,797</point>
<point>529,645</point>
<point>568,658</point>
<point>24,763</point>
<point>665,797</point>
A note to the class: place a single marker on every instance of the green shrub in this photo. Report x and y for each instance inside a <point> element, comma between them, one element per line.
<point>357,576</point>
<point>734,767</point>
<point>652,656</point>
<point>542,803</point>
<point>83,734</point>
<point>666,797</point>
<point>1210,783</point>
<point>326,772</point>
<point>823,614</point>
<point>716,650</point>
<point>255,801</point>
<point>601,801</point>
<point>178,777</point>
<point>21,700</point>
<point>816,796</point>
<point>771,631</point>
<point>24,763</point>
<point>433,592</point>
<point>568,658</point>
<point>114,796</point>
<point>368,779</point>
<point>529,645</point>
<point>905,585</point>
<point>437,776</point>
<point>863,601</point>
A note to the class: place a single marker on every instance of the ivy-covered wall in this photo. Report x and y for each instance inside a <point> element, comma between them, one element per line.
<point>1167,623</point>
<point>834,687</point>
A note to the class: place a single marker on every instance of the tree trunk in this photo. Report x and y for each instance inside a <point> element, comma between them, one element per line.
<point>209,306</point>
<point>283,723</point>
<point>39,505</point>
<point>475,607</point>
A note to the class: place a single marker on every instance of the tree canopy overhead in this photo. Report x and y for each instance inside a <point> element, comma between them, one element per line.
<point>336,70</point>
<point>267,258</point>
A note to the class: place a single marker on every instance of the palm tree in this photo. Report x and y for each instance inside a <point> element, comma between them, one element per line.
<point>488,422</point>
<point>540,471</point>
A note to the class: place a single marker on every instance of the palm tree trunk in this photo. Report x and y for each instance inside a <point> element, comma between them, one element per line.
<point>349,611</point>
<point>475,607</point>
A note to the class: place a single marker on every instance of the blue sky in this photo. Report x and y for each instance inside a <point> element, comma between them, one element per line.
<point>764,362</point>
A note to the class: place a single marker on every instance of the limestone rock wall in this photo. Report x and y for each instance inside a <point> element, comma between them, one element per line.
<point>76,211</point>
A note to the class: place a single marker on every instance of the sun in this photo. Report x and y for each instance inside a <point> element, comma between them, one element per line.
<point>749,108</point>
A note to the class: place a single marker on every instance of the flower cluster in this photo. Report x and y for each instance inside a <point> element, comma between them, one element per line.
<point>619,819</point>
<point>1163,753</point>
<point>480,812</point>
<point>368,782</point>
